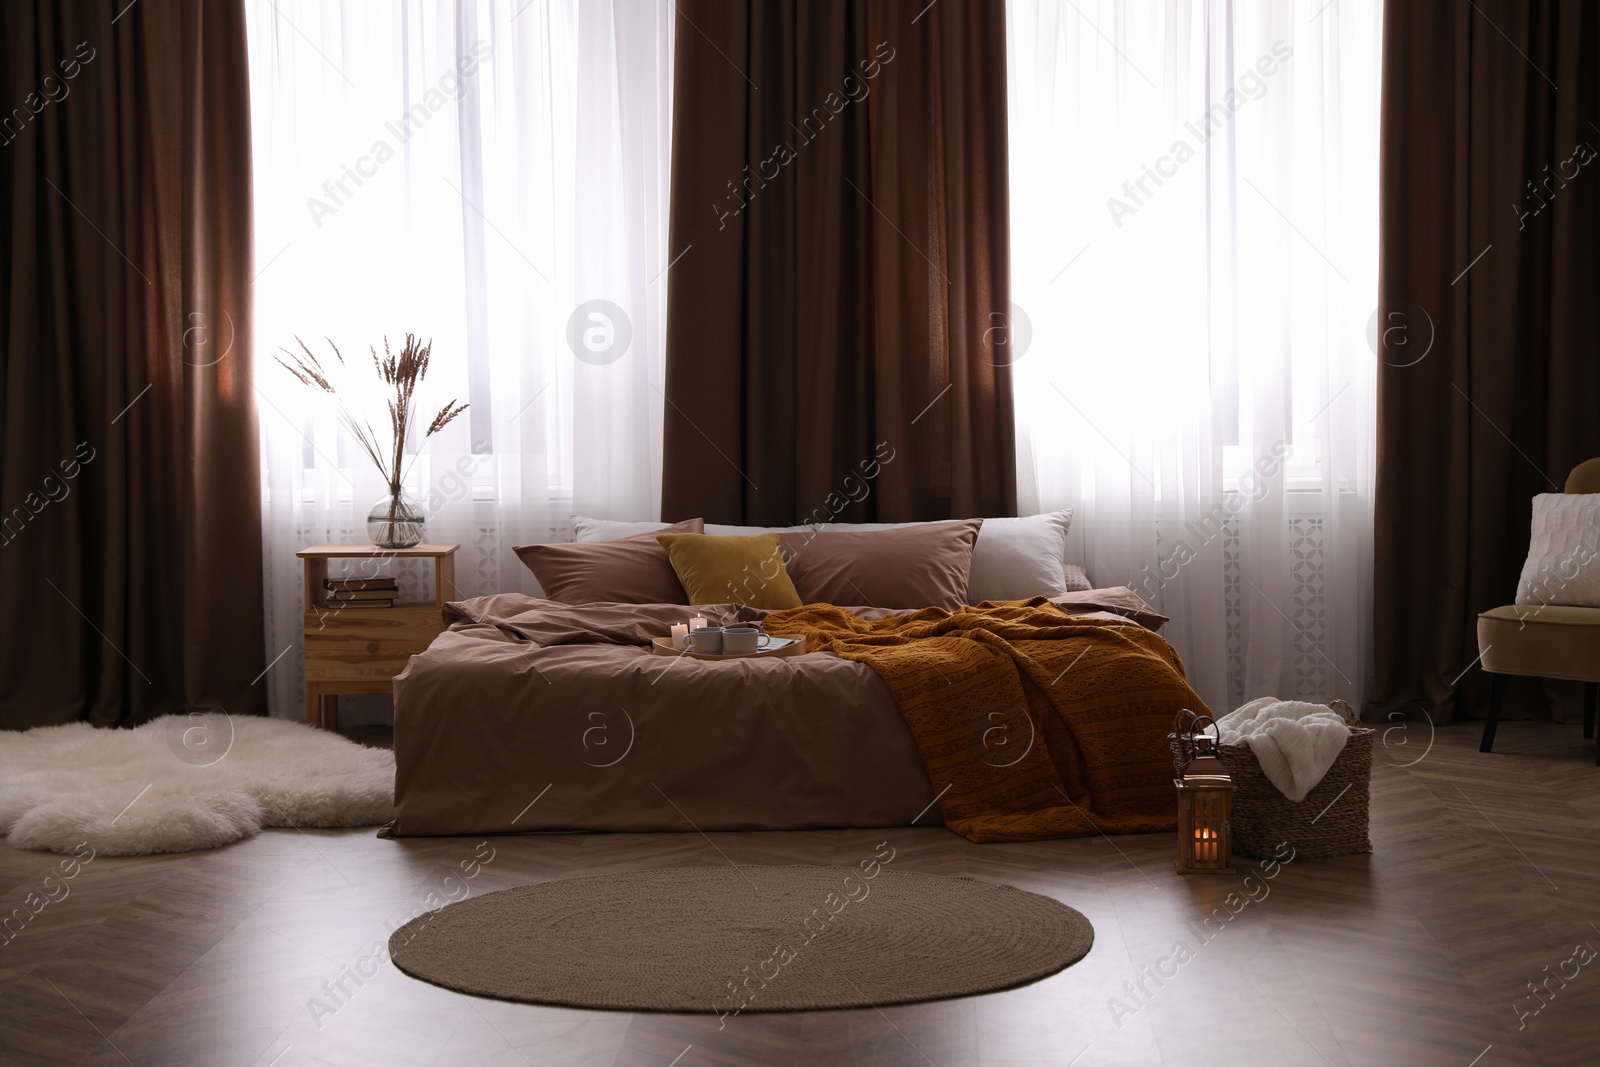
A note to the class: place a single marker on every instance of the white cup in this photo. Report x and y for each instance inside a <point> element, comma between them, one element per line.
<point>743,639</point>
<point>707,640</point>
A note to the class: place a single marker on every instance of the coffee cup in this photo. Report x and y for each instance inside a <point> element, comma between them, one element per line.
<point>743,639</point>
<point>707,640</point>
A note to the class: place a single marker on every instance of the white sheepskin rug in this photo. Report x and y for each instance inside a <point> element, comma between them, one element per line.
<point>182,783</point>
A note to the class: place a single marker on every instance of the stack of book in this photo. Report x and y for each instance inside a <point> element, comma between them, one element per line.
<point>362,592</point>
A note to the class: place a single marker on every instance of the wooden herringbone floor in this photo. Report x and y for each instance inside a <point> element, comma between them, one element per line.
<point>1486,876</point>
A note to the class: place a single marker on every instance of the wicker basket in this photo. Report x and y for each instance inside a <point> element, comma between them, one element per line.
<point>1330,821</point>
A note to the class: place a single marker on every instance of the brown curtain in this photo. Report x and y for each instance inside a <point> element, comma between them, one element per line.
<point>130,537</point>
<point>1490,220</point>
<point>840,284</point>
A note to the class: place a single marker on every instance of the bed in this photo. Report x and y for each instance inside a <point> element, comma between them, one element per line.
<point>529,715</point>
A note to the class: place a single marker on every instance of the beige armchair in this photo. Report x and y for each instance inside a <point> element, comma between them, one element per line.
<point>1549,641</point>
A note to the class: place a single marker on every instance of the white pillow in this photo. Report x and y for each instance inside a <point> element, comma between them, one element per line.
<point>587,529</point>
<point>714,530</point>
<point>1563,564</point>
<point>1021,557</point>
<point>1013,559</point>
<point>863,527</point>
<point>1077,579</point>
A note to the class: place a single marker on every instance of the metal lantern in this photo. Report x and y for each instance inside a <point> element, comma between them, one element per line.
<point>1205,800</point>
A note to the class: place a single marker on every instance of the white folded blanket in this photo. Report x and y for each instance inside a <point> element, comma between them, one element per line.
<point>1295,742</point>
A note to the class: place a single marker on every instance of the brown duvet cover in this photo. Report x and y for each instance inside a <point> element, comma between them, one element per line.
<point>530,715</point>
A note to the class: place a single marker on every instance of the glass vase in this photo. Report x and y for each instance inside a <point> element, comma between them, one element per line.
<point>396,521</point>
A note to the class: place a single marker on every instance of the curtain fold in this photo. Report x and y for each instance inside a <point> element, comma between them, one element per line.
<point>130,547</point>
<point>840,283</point>
<point>489,175</point>
<point>1195,191</point>
<point>1489,284</point>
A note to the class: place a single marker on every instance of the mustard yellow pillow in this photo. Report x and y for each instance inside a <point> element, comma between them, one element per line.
<point>731,570</point>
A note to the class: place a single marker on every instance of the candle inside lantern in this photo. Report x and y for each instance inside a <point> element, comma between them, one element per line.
<point>1204,799</point>
<point>680,635</point>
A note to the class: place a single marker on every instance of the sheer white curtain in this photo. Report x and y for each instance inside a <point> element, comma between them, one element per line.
<point>1194,248</point>
<point>491,176</point>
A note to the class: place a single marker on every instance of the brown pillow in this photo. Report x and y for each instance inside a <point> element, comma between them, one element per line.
<point>1117,599</point>
<point>909,567</point>
<point>731,570</point>
<point>630,570</point>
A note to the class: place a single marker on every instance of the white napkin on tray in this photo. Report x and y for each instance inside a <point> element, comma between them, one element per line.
<point>1295,742</point>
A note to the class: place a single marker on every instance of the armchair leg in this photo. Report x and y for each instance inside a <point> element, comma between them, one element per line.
<point>1589,702</point>
<point>1497,693</point>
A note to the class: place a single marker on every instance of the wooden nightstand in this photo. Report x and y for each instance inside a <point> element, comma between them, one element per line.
<point>360,650</point>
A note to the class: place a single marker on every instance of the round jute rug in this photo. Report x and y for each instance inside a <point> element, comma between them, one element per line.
<point>743,939</point>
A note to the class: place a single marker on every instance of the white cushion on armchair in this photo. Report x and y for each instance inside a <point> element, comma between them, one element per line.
<point>1563,565</point>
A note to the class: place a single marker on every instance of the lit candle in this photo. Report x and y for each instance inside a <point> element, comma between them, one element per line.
<point>680,635</point>
<point>697,623</point>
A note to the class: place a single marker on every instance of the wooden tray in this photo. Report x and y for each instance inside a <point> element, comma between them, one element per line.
<point>780,646</point>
